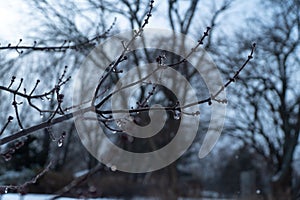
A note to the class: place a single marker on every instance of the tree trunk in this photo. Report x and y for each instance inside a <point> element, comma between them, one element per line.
<point>282,188</point>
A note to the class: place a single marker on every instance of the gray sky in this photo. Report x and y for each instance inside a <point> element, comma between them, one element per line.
<point>13,20</point>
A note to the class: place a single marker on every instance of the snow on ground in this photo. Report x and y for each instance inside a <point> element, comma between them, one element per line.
<point>48,197</point>
<point>38,197</point>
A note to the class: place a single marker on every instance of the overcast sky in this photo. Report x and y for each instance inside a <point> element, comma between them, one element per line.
<point>13,20</point>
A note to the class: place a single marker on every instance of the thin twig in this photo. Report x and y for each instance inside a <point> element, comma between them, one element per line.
<point>59,48</point>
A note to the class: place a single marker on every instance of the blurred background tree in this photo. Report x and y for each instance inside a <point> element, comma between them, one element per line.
<point>266,102</point>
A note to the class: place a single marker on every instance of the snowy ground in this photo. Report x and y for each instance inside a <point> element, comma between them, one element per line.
<point>47,197</point>
<point>36,197</point>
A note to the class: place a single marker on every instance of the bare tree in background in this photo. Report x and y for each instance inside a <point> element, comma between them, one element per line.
<point>267,105</point>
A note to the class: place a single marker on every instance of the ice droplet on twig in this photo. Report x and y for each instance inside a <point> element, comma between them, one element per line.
<point>177,114</point>
<point>113,168</point>
<point>7,156</point>
<point>60,143</point>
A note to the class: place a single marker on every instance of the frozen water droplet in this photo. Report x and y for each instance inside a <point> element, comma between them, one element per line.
<point>258,191</point>
<point>63,135</point>
<point>92,189</point>
<point>41,115</point>
<point>43,99</point>
<point>177,115</point>
<point>114,132</point>
<point>113,168</point>
<point>6,190</point>
<point>21,129</point>
<point>7,157</point>
<point>60,143</point>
